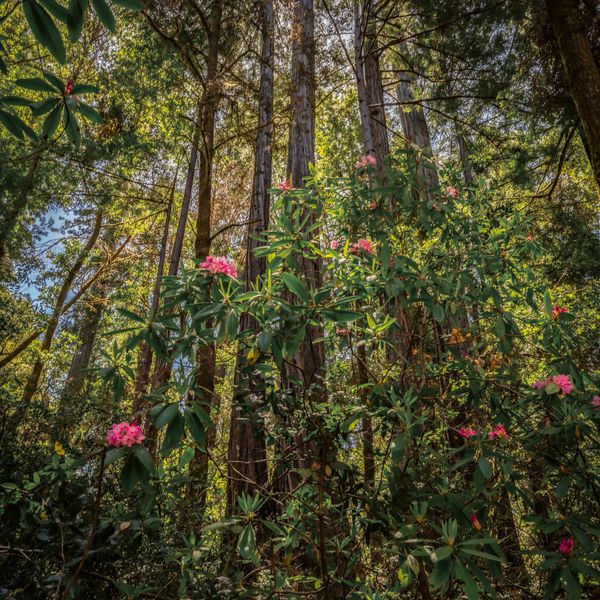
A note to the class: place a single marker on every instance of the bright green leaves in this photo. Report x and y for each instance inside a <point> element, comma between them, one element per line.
<point>104,13</point>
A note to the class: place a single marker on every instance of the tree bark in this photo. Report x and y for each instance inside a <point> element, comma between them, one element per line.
<point>34,378</point>
<point>416,132</point>
<point>206,354</point>
<point>583,74</point>
<point>374,86</point>
<point>247,466</point>
<point>145,359</point>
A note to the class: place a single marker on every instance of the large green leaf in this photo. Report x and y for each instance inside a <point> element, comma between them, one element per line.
<point>57,10</point>
<point>36,84</point>
<point>44,29</point>
<point>104,14</point>
<point>296,286</point>
<point>75,19</point>
<point>166,415</point>
<point>71,126</point>
<point>90,113</point>
<point>51,122</point>
<point>43,106</point>
<point>340,316</point>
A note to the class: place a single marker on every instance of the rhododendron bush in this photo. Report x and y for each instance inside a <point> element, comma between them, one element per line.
<point>485,430</point>
<point>446,359</point>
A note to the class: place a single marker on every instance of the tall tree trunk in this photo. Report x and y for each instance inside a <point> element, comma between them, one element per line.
<point>416,133</point>
<point>34,378</point>
<point>162,368</point>
<point>367,425</point>
<point>206,355</point>
<point>247,466</point>
<point>374,85</point>
<point>583,74</point>
<point>145,359</point>
<point>363,105</point>
<point>308,365</point>
<point>87,329</point>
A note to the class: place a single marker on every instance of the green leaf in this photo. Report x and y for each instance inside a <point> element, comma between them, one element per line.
<point>131,315</point>
<point>71,126</point>
<point>442,553</point>
<point>132,473</point>
<point>485,467</point>
<point>195,427</point>
<point>440,573</point>
<point>470,586</point>
<point>75,19</point>
<point>548,308</point>
<point>90,113</point>
<point>104,14</point>
<point>173,435</point>
<point>56,83</point>
<point>56,10</point>
<point>340,316</point>
<point>130,4</point>
<point>11,122</point>
<point>84,88</point>
<point>15,101</point>
<point>143,455</point>
<point>44,29</point>
<point>51,122</point>
<point>166,415</point>
<point>438,312</point>
<point>247,543</point>
<point>186,457</point>
<point>296,286</point>
<point>113,455</point>
<point>481,554</point>
<point>36,84</point>
<point>500,327</point>
<point>41,108</point>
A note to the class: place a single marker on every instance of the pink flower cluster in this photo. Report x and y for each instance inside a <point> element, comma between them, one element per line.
<point>563,382</point>
<point>364,245</point>
<point>366,161</point>
<point>373,205</point>
<point>124,434</point>
<point>285,186</point>
<point>219,264</point>
<point>451,192</point>
<point>566,546</point>
<point>467,432</point>
<point>334,244</point>
<point>498,431</point>
<point>558,310</point>
<point>596,402</point>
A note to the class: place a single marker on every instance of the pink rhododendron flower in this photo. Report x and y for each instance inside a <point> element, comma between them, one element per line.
<point>563,382</point>
<point>596,401</point>
<point>334,244</point>
<point>361,244</point>
<point>124,434</point>
<point>373,205</point>
<point>219,264</point>
<point>451,191</point>
<point>467,432</point>
<point>498,431</point>
<point>475,521</point>
<point>538,385</point>
<point>530,237</point>
<point>566,546</point>
<point>366,161</point>
<point>558,310</point>
<point>285,186</point>
<point>68,88</point>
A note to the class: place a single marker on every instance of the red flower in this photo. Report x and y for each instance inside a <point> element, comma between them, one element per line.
<point>69,88</point>
<point>558,310</point>
<point>566,546</point>
<point>467,432</point>
<point>475,522</point>
<point>285,186</point>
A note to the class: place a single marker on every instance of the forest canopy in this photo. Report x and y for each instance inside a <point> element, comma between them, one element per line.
<point>299,299</point>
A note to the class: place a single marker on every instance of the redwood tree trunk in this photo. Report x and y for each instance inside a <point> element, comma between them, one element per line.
<point>374,86</point>
<point>34,377</point>
<point>583,74</point>
<point>247,466</point>
<point>205,356</point>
